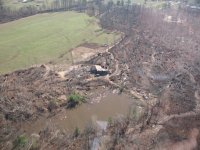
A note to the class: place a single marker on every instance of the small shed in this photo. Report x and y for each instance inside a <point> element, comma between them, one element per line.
<point>98,70</point>
<point>24,1</point>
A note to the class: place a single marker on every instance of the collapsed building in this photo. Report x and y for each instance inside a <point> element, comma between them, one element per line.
<point>98,70</point>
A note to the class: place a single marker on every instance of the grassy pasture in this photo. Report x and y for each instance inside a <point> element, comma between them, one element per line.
<point>44,37</point>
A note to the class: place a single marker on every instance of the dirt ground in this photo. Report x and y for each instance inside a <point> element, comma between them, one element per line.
<point>83,53</point>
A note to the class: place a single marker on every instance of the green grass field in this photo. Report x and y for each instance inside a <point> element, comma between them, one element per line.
<point>44,37</point>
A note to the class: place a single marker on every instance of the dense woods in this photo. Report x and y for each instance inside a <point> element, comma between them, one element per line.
<point>94,8</point>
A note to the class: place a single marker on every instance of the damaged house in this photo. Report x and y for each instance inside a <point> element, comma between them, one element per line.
<point>98,70</point>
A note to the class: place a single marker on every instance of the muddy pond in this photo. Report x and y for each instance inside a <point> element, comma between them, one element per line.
<point>109,106</point>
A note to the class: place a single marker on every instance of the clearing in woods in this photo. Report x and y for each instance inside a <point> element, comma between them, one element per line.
<point>45,37</point>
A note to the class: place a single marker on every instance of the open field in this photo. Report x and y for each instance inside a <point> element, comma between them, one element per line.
<point>44,37</point>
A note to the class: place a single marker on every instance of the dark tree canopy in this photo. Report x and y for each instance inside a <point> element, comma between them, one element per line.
<point>1,3</point>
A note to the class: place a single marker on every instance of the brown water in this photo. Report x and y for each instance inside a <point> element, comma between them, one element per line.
<point>112,105</point>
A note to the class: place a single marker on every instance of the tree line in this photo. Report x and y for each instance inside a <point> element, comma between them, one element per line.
<point>93,8</point>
